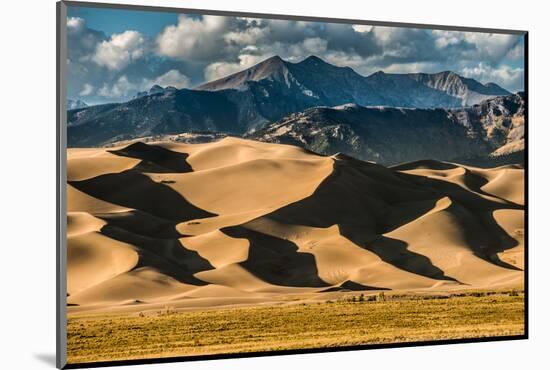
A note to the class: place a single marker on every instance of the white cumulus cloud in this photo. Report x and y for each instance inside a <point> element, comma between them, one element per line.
<point>75,24</point>
<point>120,50</point>
<point>447,38</point>
<point>121,88</point>
<point>506,76</point>
<point>312,45</point>
<point>362,28</point>
<point>124,88</point>
<point>248,36</point>
<point>194,38</point>
<point>171,78</point>
<point>217,70</point>
<point>87,90</point>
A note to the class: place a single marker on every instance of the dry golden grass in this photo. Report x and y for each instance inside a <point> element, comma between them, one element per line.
<point>394,319</point>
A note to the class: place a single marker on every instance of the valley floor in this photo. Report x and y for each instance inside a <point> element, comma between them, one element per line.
<point>352,320</point>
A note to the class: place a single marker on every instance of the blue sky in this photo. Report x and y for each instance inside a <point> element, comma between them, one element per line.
<point>112,21</point>
<point>114,53</point>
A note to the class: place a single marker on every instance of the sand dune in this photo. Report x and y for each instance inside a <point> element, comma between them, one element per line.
<point>93,258</point>
<point>244,222</point>
<point>87,163</point>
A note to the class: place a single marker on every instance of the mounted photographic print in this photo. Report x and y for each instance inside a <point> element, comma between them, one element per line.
<point>235,184</point>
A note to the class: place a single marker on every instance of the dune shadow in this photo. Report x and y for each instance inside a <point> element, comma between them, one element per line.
<point>395,252</point>
<point>277,261</point>
<point>366,200</point>
<point>167,256</point>
<point>471,180</point>
<point>135,190</point>
<point>430,163</point>
<point>359,197</point>
<point>349,285</point>
<point>483,234</point>
<point>155,159</point>
<point>476,183</point>
<point>142,223</point>
<point>494,258</point>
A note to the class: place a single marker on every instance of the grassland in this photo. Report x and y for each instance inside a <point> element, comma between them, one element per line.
<point>388,319</point>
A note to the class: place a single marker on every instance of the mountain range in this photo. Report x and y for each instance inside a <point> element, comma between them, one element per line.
<point>75,104</point>
<point>327,84</point>
<point>155,89</point>
<point>489,133</point>
<point>263,101</point>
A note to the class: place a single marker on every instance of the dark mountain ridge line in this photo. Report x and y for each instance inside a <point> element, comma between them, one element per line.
<point>249,100</point>
<point>275,67</point>
<point>480,130</point>
<point>486,134</point>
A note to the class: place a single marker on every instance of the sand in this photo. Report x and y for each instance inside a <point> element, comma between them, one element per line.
<point>239,222</point>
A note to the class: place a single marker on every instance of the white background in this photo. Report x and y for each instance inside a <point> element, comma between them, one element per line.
<point>27,182</point>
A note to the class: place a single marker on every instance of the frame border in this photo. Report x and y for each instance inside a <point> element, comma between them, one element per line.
<point>288,17</point>
<point>61,177</point>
